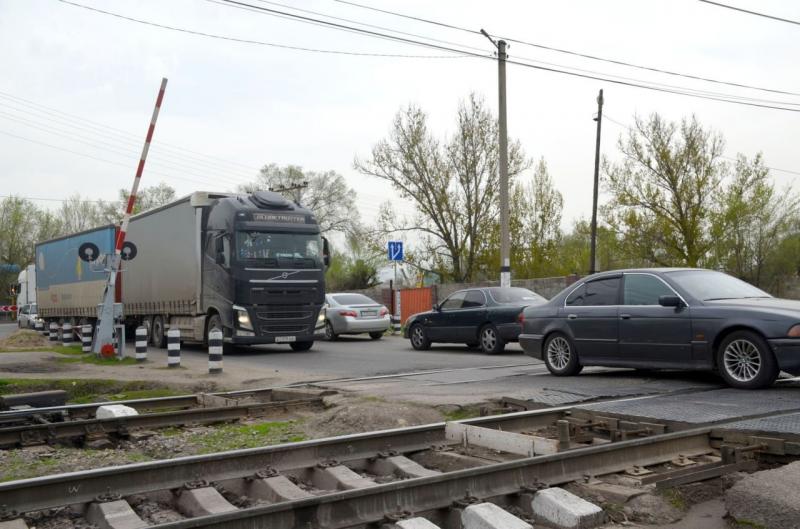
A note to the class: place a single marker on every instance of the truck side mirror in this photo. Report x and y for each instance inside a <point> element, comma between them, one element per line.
<point>326,253</point>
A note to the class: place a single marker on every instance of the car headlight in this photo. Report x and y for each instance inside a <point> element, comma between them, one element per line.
<point>794,331</point>
<point>321,317</point>
<point>243,318</point>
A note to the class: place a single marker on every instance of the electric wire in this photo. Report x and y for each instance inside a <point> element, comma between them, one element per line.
<point>334,25</point>
<point>756,13</point>
<point>573,53</point>
<point>248,41</point>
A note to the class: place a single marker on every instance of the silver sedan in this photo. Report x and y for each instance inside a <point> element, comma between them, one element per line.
<point>355,314</point>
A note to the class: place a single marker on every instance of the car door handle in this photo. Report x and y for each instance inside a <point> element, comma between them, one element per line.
<point>572,316</point>
<point>625,316</point>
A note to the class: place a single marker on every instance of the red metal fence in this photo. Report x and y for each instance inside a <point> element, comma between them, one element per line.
<point>414,300</point>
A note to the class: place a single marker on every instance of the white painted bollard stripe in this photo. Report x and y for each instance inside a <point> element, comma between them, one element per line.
<point>174,348</point>
<point>86,338</point>
<point>141,344</point>
<point>215,351</point>
<point>54,332</point>
<point>66,334</point>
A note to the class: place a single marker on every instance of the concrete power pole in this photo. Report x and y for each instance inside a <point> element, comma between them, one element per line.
<point>599,120</point>
<point>505,244</point>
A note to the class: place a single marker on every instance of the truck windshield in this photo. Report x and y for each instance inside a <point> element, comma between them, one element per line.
<point>298,250</point>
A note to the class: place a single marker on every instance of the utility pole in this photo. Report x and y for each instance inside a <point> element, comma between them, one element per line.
<point>599,120</point>
<point>505,245</point>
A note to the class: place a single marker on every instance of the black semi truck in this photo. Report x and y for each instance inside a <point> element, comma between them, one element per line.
<point>251,265</point>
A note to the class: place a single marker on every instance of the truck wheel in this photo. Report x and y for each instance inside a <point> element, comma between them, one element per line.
<point>301,346</point>
<point>159,335</point>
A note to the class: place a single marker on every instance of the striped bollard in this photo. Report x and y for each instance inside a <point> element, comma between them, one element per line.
<point>395,324</point>
<point>45,329</point>
<point>141,344</point>
<point>86,338</point>
<point>215,351</point>
<point>66,334</point>
<point>54,333</point>
<point>174,348</point>
<point>39,327</point>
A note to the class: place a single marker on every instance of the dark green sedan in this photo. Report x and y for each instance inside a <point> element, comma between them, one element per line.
<point>485,318</point>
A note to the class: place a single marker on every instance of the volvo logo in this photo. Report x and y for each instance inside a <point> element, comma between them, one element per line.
<point>285,275</point>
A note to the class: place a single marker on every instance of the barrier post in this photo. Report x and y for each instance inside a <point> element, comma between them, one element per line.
<point>86,338</point>
<point>53,333</point>
<point>141,344</point>
<point>215,351</point>
<point>66,334</point>
<point>174,348</point>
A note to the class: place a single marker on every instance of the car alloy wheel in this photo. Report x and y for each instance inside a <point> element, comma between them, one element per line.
<point>329,334</point>
<point>489,338</point>
<point>558,353</point>
<point>742,360</point>
<point>419,340</point>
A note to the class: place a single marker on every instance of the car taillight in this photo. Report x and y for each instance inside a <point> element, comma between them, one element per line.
<point>794,332</point>
<point>348,313</point>
<point>384,311</point>
<point>521,318</point>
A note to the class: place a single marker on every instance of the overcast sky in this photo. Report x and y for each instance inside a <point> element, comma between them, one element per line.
<point>231,107</point>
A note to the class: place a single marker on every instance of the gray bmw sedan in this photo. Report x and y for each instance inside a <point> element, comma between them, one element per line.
<point>667,318</point>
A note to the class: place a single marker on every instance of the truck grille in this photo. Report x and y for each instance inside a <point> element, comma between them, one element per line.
<point>284,315</point>
<point>280,329</point>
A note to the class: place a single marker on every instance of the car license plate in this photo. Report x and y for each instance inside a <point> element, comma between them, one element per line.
<point>369,312</point>
<point>285,339</point>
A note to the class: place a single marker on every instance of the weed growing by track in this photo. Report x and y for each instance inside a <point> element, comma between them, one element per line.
<point>97,360</point>
<point>235,436</point>
<point>82,391</point>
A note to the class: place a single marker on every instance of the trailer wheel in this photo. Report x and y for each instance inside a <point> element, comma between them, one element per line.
<point>159,335</point>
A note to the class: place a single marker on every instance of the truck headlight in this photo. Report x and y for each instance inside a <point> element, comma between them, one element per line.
<point>243,318</point>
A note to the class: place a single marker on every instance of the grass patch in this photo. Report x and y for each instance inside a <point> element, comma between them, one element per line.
<point>676,499</point>
<point>235,436</point>
<point>467,412</point>
<point>83,391</point>
<point>747,524</point>
<point>97,360</point>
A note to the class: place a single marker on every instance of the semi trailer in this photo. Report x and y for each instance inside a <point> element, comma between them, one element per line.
<point>252,266</point>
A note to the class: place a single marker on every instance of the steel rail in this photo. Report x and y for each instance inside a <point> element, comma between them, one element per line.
<point>154,403</point>
<point>54,431</point>
<point>81,487</point>
<point>371,505</point>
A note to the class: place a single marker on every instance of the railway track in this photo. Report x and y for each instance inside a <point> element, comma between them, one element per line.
<point>435,471</point>
<point>77,423</point>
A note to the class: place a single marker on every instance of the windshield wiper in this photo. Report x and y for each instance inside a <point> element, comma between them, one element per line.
<point>718,299</point>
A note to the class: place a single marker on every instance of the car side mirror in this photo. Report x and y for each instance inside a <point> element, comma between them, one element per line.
<point>670,301</point>
<point>437,307</point>
<point>220,259</point>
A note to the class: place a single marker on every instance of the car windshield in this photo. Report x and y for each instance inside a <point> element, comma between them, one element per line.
<point>33,309</point>
<point>514,295</point>
<point>708,285</point>
<point>301,250</point>
<point>353,299</point>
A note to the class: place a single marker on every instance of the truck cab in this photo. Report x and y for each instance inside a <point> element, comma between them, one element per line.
<point>263,270</point>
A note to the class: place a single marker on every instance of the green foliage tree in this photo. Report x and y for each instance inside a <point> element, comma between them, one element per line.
<point>357,267</point>
<point>452,182</point>
<point>325,193</point>
<point>665,191</point>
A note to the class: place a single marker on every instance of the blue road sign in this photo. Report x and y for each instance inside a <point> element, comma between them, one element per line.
<point>395,250</point>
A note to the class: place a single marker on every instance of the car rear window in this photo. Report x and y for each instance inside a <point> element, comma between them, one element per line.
<point>353,299</point>
<point>515,295</point>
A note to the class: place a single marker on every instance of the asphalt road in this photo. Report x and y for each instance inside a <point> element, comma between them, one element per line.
<point>7,328</point>
<point>358,357</point>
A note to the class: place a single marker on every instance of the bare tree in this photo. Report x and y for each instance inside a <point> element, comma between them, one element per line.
<point>454,183</point>
<point>325,193</point>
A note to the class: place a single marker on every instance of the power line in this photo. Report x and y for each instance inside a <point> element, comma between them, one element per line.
<point>177,150</point>
<point>120,164</point>
<point>249,41</point>
<point>682,91</point>
<point>779,19</point>
<point>574,53</point>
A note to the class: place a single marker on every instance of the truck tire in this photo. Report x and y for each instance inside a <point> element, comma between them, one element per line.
<point>159,334</point>
<point>301,346</point>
